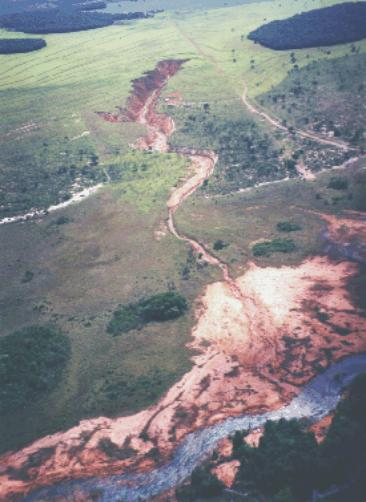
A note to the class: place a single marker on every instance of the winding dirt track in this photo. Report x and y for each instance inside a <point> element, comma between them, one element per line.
<point>254,109</point>
<point>277,124</point>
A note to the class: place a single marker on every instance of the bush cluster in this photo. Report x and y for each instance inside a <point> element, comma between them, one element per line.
<point>290,466</point>
<point>277,245</point>
<point>288,226</point>
<point>31,364</point>
<point>160,307</point>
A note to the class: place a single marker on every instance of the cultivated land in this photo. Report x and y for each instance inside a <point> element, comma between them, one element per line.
<point>80,263</point>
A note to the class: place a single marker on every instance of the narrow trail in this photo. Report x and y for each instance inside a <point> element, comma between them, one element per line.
<point>277,124</point>
<point>255,110</point>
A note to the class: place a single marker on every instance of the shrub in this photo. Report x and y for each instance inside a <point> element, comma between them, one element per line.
<point>288,226</point>
<point>284,459</point>
<point>62,20</point>
<point>114,451</point>
<point>203,484</point>
<point>160,307</point>
<point>27,277</point>
<point>31,364</point>
<point>20,45</point>
<point>125,318</point>
<point>62,220</point>
<point>163,307</point>
<point>219,245</point>
<point>338,183</point>
<point>275,246</point>
<point>288,464</point>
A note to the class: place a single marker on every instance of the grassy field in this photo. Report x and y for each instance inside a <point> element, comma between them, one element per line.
<point>104,256</point>
<point>112,249</point>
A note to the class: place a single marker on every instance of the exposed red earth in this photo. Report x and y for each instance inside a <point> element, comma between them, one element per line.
<point>258,339</point>
<point>141,106</point>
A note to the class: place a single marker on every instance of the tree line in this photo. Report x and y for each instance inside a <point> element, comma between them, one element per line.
<point>20,45</point>
<point>62,21</point>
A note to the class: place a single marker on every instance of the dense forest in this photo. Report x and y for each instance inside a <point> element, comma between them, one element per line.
<point>11,6</point>
<point>60,21</point>
<point>290,466</point>
<point>17,45</point>
<point>338,24</point>
<point>90,5</point>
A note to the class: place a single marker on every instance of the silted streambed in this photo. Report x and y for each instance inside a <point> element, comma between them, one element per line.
<point>315,401</point>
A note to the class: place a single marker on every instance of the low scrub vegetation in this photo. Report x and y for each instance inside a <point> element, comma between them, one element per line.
<point>203,485</point>
<point>338,183</point>
<point>247,154</point>
<point>160,307</point>
<point>114,451</point>
<point>289,460</point>
<point>219,244</point>
<point>322,97</point>
<point>274,246</point>
<point>31,364</point>
<point>37,174</point>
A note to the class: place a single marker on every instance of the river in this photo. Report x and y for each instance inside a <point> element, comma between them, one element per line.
<point>316,400</point>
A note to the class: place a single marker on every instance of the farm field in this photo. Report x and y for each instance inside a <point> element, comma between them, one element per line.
<point>239,161</point>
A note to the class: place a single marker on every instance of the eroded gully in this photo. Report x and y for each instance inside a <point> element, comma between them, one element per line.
<point>315,400</point>
<point>160,128</point>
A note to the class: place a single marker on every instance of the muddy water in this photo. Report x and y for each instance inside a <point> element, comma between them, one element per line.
<point>315,401</point>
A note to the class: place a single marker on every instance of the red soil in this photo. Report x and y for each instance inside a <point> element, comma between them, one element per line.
<point>174,99</point>
<point>226,472</point>
<point>254,355</point>
<point>321,428</point>
<point>141,105</point>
